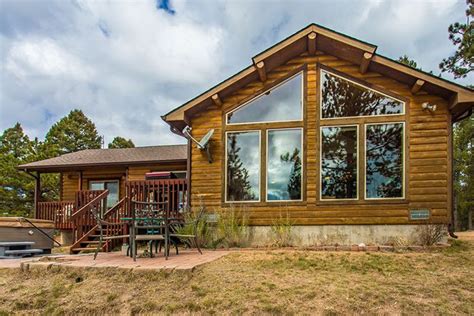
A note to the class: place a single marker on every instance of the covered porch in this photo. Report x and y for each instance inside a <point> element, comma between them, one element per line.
<point>108,180</point>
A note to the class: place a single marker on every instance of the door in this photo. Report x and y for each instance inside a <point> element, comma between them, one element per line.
<point>111,185</point>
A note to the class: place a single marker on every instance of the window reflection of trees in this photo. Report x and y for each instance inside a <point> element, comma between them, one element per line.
<point>239,187</point>
<point>294,179</point>
<point>384,156</point>
<point>339,163</point>
<point>284,164</point>
<point>342,98</point>
<point>283,103</point>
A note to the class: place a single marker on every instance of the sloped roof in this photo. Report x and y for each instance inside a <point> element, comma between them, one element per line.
<point>110,157</point>
<point>336,44</point>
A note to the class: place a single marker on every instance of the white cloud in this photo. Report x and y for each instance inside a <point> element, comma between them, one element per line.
<point>43,57</point>
<point>125,63</point>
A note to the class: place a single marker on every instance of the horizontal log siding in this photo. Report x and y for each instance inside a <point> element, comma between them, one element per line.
<point>427,182</point>
<point>137,173</point>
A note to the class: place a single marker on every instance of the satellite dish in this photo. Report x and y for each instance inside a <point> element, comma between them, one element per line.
<point>203,144</point>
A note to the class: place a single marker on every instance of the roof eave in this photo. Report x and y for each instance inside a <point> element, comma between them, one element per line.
<point>72,167</point>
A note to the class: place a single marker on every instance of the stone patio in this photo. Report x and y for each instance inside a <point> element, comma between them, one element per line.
<point>186,260</point>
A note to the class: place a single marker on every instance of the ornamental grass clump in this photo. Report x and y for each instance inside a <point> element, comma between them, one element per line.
<point>232,228</point>
<point>281,232</point>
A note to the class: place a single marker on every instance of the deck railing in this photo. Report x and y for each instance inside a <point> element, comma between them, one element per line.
<point>172,192</point>
<point>57,211</point>
<point>76,215</point>
<point>82,219</point>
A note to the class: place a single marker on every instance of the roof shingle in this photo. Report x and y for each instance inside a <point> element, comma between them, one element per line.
<point>103,157</point>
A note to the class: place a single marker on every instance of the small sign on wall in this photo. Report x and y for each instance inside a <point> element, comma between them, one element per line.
<point>420,214</point>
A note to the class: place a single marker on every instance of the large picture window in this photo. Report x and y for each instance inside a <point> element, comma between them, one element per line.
<point>341,97</point>
<point>243,166</point>
<point>284,164</point>
<point>282,103</point>
<point>339,162</point>
<point>384,160</point>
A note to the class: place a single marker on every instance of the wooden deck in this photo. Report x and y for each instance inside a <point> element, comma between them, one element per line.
<point>76,215</point>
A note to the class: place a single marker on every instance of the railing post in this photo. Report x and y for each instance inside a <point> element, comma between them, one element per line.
<point>37,196</point>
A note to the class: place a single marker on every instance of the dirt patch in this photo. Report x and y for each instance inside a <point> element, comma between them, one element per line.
<point>258,282</point>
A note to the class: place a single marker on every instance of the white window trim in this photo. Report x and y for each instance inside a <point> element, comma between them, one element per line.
<point>403,162</point>
<point>259,166</point>
<point>360,85</point>
<point>302,165</point>
<point>266,91</point>
<point>321,163</point>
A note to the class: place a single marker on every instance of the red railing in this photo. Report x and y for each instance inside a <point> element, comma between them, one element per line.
<point>85,196</point>
<point>115,215</point>
<point>82,219</point>
<point>58,211</point>
<point>171,192</point>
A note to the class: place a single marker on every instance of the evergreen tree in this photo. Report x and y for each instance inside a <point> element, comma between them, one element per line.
<point>409,62</point>
<point>16,188</point>
<point>464,171</point>
<point>462,36</point>
<point>72,133</point>
<point>294,184</point>
<point>238,185</point>
<point>120,142</point>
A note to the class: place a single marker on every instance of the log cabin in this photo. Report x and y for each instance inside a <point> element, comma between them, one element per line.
<point>346,144</point>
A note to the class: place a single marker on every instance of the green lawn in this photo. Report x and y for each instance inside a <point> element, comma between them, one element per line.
<point>256,282</point>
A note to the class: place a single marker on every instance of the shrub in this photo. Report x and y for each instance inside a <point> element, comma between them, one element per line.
<point>430,234</point>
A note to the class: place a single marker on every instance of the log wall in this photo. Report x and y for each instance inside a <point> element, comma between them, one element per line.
<point>427,169</point>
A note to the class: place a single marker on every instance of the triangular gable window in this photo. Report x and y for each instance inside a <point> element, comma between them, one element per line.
<point>341,97</point>
<point>282,103</point>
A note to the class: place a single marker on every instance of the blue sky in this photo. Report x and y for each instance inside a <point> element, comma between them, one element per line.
<point>127,62</point>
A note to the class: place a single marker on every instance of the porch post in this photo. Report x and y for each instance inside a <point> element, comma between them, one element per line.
<point>188,174</point>
<point>79,184</point>
<point>37,195</point>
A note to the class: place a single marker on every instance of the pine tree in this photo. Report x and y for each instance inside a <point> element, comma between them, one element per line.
<point>294,184</point>
<point>464,171</point>
<point>72,133</point>
<point>462,36</point>
<point>16,188</point>
<point>409,62</point>
<point>120,142</point>
<point>238,185</point>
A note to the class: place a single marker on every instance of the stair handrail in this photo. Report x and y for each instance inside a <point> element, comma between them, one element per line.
<point>116,207</point>
<point>40,230</point>
<point>89,204</point>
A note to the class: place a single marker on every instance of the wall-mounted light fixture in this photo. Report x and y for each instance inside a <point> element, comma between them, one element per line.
<point>428,106</point>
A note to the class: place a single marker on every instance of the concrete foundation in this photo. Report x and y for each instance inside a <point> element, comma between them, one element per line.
<point>65,237</point>
<point>342,235</point>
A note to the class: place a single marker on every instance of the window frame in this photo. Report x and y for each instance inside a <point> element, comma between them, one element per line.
<point>259,166</point>
<point>357,198</point>
<point>403,162</point>
<point>334,73</point>
<point>301,129</point>
<point>302,102</point>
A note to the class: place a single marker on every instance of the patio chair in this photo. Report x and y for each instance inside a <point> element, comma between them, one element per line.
<point>104,225</point>
<point>192,238</point>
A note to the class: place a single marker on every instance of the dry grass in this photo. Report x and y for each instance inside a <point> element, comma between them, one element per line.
<point>258,282</point>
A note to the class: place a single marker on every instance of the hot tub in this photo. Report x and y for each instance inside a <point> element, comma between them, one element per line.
<point>14,229</point>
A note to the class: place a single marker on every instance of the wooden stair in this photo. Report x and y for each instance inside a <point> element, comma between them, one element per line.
<point>89,240</point>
